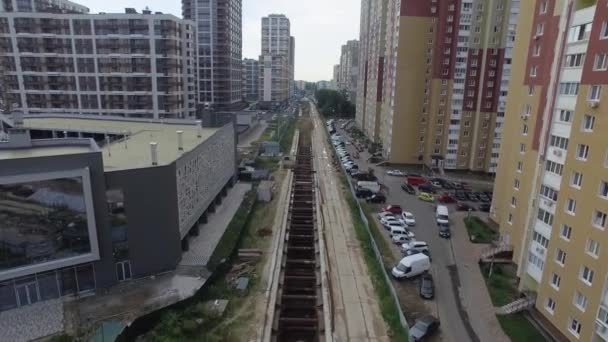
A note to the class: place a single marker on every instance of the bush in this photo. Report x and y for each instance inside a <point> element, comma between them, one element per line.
<point>479,231</point>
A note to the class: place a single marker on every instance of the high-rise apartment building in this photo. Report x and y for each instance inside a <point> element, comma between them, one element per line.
<point>348,68</point>
<point>58,59</point>
<point>551,194</point>
<point>276,61</point>
<point>336,76</point>
<point>251,75</point>
<point>444,66</point>
<point>219,44</point>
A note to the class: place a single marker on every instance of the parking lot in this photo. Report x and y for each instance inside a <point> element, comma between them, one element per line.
<point>448,302</point>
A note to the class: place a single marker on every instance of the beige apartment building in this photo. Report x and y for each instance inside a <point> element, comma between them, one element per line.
<point>435,80</point>
<point>551,193</point>
<point>276,61</point>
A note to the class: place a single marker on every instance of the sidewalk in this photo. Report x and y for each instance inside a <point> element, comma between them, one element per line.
<point>473,292</point>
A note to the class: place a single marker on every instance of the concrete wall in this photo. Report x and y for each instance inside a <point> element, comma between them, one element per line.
<point>104,268</point>
<point>151,209</point>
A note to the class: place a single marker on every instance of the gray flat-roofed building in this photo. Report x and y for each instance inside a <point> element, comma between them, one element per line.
<point>88,203</point>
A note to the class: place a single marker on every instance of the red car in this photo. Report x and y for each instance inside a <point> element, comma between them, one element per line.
<point>446,198</point>
<point>415,180</point>
<point>393,209</point>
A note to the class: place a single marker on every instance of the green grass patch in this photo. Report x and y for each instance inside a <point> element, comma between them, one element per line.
<point>479,231</point>
<point>268,163</point>
<point>519,329</point>
<point>502,284</point>
<point>287,132</point>
<point>234,231</point>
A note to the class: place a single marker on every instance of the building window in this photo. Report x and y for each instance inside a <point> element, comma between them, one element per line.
<point>579,33</point>
<point>513,202</point>
<point>595,91</point>
<point>560,257</point>
<point>565,115</point>
<point>568,88</point>
<point>574,60</point>
<point>592,248</point>
<point>576,181</point>
<point>599,219</point>
<point>555,281</point>
<point>559,142</point>
<point>545,216</point>
<point>565,232</point>
<point>574,327</point>
<point>603,191</point>
<point>522,148</point>
<point>542,9</point>
<point>524,129</point>
<point>550,305</point>
<point>540,29</point>
<point>533,71</point>
<point>520,167</point>
<point>588,123</point>
<point>601,62</point>
<point>580,301</point>
<point>530,90</point>
<point>548,193</point>
<point>516,184</point>
<point>582,151</point>
<point>543,241</point>
<point>570,206</point>
<point>536,50</point>
<point>510,219</point>
<point>604,31</point>
<point>554,167</point>
<point>586,275</point>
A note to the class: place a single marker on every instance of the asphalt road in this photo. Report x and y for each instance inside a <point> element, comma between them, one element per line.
<point>454,326</point>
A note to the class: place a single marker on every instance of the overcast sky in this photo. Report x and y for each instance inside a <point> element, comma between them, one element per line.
<point>319,26</point>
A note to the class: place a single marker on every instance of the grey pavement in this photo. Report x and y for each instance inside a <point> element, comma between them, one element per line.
<point>252,134</point>
<point>448,303</point>
<point>202,246</point>
<point>475,294</point>
<point>32,322</point>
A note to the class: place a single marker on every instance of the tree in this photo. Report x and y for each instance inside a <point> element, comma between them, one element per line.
<point>332,103</point>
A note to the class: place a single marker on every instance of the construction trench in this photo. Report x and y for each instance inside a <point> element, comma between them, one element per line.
<point>298,314</point>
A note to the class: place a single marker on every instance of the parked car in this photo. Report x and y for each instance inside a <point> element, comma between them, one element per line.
<point>426,289</point>
<point>460,196</point>
<point>425,196</point>
<point>485,207</point>
<point>472,197</point>
<point>446,198</point>
<point>408,218</point>
<point>444,230</point>
<point>377,198</point>
<point>408,188</point>
<point>411,266</point>
<point>461,206</point>
<point>484,198</point>
<point>436,184</point>
<point>363,193</point>
<point>427,188</point>
<point>393,208</point>
<point>397,173</point>
<point>421,245</point>
<point>416,251</point>
<point>448,185</point>
<point>401,239</point>
<point>384,214</point>
<point>423,327</point>
<point>490,194</point>
<point>415,180</point>
<point>391,221</point>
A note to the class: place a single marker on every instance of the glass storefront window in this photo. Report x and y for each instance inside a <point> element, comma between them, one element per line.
<point>47,284</point>
<point>7,296</point>
<point>67,281</point>
<point>86,278</point>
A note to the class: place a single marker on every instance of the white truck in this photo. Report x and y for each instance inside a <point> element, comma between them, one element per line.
<point>411,266</point>
<point>371,186</point>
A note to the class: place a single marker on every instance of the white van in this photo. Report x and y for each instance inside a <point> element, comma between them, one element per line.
<point>441,215</point>
<point>411,265</point>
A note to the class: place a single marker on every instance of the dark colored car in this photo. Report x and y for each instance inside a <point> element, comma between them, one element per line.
<point>485,207</point>
<point>490,194</point>
<point>448,185</point>
<point>483,198</point>
<point>446,198</point>
<point>444,231</point>
<point>363,193</point>
<point>408,188</point>
<point>364,176</point>
<point>472,197</point>
<point>460,196</point>
<point>427,289</point>
<point>427,188</point>
<point>395,209</point>
<point>377,198</point>
<point>424,326</point>
<point>464,207</point>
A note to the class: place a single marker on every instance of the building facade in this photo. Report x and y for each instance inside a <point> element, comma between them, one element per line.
<point>444,65</point>
<point>70,62</point>
<point>251,76</point>
<point>89,185</point>
<point>218,27</point>
<point>348,69</point>
<point>552,198</point>
<point>276,61</point>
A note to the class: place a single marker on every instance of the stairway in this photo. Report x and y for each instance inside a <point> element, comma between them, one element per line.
<point>516,306</point>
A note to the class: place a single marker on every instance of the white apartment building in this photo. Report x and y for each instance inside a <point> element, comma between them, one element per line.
<point>55,58</point>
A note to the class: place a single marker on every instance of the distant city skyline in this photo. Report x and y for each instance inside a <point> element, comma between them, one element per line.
<point>319,35</point>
